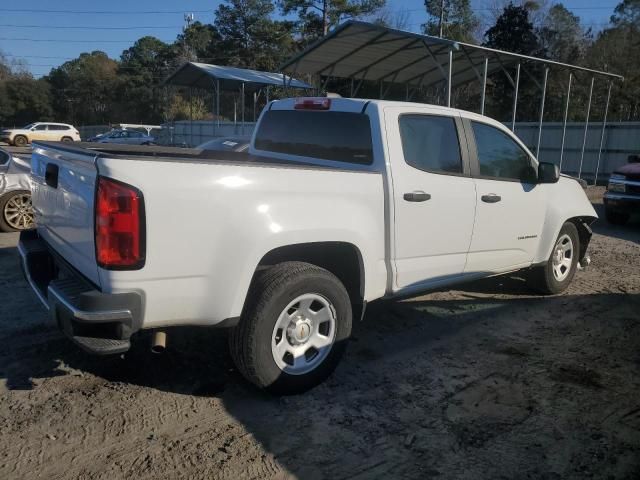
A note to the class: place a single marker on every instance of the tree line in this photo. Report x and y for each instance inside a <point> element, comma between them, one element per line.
<point>261,34</point>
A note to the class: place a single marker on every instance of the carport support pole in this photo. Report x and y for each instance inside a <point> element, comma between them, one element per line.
<point>449,77</point>
<point>190,117</point>
<point>544,97</point>
<point>586,128</point>
<point>604,126</point>
<point>484,84</point>
<point>564,122</point>
<point>218,101</point>
<point>515,99</point>
<point>242,106</point>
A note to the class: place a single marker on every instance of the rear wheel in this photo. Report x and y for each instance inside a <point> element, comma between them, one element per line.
<point>20,141</point>
<point>67,139</point>
<point>16,212</point>
<point>556,274</point>
<point>616,217</point>
<point>294,328</point>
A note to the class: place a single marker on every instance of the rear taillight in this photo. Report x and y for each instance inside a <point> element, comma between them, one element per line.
<point>119,226</point>
<point>312,103</point>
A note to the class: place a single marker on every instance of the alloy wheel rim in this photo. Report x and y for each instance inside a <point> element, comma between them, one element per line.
<point>562,257</point>
<point>18,212</point>
<point>303,334</point>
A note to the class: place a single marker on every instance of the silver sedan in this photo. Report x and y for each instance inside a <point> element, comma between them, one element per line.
<point>16,212</point>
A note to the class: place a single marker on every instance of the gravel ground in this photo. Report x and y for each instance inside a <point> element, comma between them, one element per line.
<point>487,381</point>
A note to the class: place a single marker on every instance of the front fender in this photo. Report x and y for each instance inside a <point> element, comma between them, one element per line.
<point>566,200</point>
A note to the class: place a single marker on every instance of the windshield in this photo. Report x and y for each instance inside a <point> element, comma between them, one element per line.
<point>29,127</point>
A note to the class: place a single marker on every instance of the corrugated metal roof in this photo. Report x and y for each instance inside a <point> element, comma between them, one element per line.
<point>203,75</point>
<point>363,50</point>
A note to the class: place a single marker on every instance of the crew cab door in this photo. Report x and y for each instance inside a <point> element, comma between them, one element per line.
<point>510,207</point>
<point>39,132</point>
<point>433,195</point>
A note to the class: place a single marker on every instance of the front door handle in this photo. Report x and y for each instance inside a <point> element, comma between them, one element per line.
<point>491,198</point>
<point>416,196</point>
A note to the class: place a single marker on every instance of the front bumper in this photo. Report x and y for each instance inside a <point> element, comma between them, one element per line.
<point>622,202</point>
<point>99,323</point>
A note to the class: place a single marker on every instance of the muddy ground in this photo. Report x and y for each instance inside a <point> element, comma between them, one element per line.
<point>487,381</point>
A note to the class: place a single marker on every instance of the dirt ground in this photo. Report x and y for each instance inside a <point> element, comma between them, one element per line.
<point>487,381</point>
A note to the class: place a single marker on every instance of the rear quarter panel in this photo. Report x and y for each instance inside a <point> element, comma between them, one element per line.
<point>209,225</point>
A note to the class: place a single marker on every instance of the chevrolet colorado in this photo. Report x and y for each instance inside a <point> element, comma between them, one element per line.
<point>337,203</point>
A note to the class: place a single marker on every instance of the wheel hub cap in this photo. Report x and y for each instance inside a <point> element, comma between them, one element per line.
<point>303,334</point>
<point>562,258</point>
<point>299,331</point>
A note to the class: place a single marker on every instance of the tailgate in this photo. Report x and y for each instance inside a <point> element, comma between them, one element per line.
<point>63,195</point>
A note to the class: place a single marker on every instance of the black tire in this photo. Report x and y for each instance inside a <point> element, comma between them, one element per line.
<point>272,291</point>
<point>67,139</point>
<point>542,278</point>
<point>615,217</point>
<point>20,141</point>
<point>5,226</point>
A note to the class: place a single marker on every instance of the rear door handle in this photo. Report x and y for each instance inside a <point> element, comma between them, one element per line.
<point>416,196</point>
<point>491,198</point>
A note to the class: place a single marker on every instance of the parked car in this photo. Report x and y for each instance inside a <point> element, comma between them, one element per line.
<point>622,197</point>
<point>227,144</point>
<point>337,203</point>
<point>16,212</point>
<point>46,131</point>
<point>128,137</point>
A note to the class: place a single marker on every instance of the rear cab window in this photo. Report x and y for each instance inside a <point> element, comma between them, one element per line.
<point>325,135</point>
<point>430,143</point>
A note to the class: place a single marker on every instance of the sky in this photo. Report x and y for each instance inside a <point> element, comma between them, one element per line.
<point>47,33</point>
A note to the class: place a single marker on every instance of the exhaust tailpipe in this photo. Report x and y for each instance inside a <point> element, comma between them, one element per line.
<point>158,342</point>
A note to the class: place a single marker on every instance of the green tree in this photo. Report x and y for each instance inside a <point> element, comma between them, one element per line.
<point>316,17</point>
<point>615,49</point>
<point>562,36</point>
<point>458,20</point>
<point>250,37</point>
<point>24,100</point>
<point>141,71</point>
<point>514,32</point>
<point>85,89</point>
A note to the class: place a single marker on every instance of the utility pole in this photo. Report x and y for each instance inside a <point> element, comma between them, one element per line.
<point>441,17</point>
<point>325,17</point>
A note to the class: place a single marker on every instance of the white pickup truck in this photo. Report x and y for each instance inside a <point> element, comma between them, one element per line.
<point>337,203</point>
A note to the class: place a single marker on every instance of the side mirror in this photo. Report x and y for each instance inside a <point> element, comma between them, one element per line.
<point>548,172</point>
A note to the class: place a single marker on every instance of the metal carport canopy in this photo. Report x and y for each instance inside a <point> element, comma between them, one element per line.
<point>361,50</point>
<point>201,75</point>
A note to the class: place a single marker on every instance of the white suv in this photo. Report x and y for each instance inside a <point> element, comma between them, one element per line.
<point>52,132</point>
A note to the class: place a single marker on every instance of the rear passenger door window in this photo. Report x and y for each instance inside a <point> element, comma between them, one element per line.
<point>430,143</point>
<point>499,156</point>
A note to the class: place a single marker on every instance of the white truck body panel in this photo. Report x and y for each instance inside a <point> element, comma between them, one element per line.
<point>200,260</point>
<point>209,223</point>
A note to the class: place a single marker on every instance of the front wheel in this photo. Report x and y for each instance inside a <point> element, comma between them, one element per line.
<point>294,329</point>
<point>20,141</point>
<point>556,274</point>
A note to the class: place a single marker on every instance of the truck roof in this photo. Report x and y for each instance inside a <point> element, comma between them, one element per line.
<point>357,105</point>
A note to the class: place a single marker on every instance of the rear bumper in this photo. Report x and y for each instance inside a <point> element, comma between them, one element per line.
<point>623,202</point>
<point>97,322</point>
